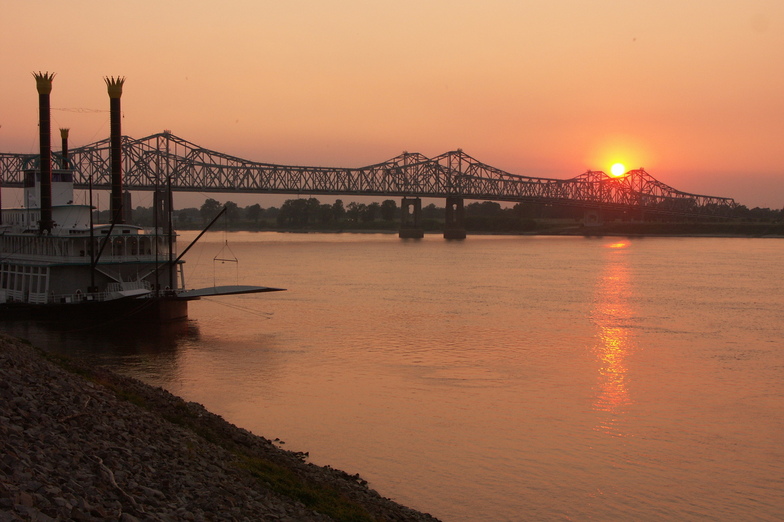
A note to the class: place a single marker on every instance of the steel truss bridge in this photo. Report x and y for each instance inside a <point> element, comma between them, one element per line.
<point>155,160</point>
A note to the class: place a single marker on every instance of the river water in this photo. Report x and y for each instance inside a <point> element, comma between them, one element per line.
<point>496,378</point>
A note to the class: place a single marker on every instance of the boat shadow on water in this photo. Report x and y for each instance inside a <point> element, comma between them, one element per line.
<point>105,342</point>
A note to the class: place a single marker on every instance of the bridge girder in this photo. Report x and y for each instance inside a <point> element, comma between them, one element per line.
<point>150,161</point>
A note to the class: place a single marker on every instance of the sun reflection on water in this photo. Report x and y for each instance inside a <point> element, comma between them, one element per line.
<point>611,315</point>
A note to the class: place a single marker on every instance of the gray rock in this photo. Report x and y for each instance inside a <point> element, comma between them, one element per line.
<point>73,449</point>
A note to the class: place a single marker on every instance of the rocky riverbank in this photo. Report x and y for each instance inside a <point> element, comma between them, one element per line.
<point>82,443</point>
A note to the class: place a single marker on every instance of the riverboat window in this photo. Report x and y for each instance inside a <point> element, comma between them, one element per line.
<point>118,247</point>
<point>62,176</point>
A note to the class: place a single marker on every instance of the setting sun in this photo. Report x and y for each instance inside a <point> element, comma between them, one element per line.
<point>617,170</point>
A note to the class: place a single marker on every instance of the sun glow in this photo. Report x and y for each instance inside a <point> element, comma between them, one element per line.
<point>617,170</point>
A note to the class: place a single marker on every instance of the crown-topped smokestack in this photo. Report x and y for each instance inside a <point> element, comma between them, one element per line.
<point>114,86</point>
<point>64,138</point>
<point>43,82</point>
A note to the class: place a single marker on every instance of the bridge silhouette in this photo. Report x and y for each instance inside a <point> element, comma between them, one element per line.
<point>154,161</point>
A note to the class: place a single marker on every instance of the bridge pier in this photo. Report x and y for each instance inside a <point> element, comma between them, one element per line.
<point>454,224</point>
<point>592,217</point>
<point>410,219</point>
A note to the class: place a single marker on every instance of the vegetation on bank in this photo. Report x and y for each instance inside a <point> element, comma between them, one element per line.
<point>481,217</point>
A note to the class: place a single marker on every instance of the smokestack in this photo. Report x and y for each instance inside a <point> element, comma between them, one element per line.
<point>114,85</point>
<point>43,82</point>
<point>64,137</point>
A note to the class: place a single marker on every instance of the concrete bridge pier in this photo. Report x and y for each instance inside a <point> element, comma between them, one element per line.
<point>454,224</point>
<point>411,219</point>
<point>592,217</point>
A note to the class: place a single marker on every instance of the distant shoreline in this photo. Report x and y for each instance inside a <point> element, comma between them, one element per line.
<point>728,230</point>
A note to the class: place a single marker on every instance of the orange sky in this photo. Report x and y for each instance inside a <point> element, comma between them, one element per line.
<point>693,91</point>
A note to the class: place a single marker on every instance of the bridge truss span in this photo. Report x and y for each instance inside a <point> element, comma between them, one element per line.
<point>153,161</point>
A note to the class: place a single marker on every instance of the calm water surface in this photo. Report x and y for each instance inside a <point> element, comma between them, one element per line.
<point>497,378</point>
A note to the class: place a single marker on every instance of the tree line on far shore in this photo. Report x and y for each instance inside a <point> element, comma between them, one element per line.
<point>311,214</point>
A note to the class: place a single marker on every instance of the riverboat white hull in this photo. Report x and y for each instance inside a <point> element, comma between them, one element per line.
<point>83,272</point>
<point>160,309</point>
